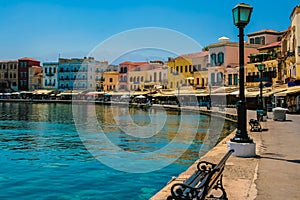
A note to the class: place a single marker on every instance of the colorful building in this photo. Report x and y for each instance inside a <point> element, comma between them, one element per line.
<point>125,67</point>
<point>224,61</point>
<point>291,47</point>
<point>269,55</point>
<point>26,74</point>
<point>111,80</point>
<point>264,37</point>
<point>50,72</point>
<point>188,70</point>
<point>9,75</point>
<point>80,74</point>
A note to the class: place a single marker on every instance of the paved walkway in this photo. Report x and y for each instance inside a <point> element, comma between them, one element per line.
<point>273,174</point>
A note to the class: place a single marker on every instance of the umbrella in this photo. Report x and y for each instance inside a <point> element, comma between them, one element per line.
<point>140,97</point>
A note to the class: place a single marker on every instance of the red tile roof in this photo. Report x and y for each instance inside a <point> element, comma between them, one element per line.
<point>133,63</point>
<point>28,59</point>
<point>194,55</point>
<point>274,44</point>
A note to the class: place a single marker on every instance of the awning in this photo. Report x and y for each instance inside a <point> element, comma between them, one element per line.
<point>68,93</point>
<point>94,93</point>
<point>202,95</point>
<point>289,91</point>
<point>42,92</point>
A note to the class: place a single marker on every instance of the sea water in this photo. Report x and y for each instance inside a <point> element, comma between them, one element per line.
<point>43,156</point>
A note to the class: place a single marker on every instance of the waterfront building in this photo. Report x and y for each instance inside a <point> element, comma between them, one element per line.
<point>150,76</point>
<point>188,70</point>
<point>224,61</point>
<point>8,75</point>
<point>291,47</point>
<point>270,56</point>
<point>264,37</point>
<point>29,78</point>
<point>80,74</point>
<point>125,67</point>
<point>35,78</point>
<point>50,75</point>
<point>110,81</point>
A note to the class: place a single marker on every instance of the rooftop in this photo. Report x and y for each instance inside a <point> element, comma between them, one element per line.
<point>28,59</point>
<point>265,31</point>
<point>272,45</point>
<point>194,55</point>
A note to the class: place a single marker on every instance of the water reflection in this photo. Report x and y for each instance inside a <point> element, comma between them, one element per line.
<point>41,142</point>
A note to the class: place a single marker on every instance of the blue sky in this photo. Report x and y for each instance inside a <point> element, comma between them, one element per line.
<point>72,28</point>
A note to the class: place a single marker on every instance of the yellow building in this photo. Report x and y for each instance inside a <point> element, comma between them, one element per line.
<point>269,56</point>
<point>178,70</point>
<point>111,80</point>
<point>188,69</point>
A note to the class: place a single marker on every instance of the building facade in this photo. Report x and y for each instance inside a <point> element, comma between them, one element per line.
<point>188,70</point>
<point>110,82</point>
<point>264,37</point>
<point>126,67</point>
<point>50,72</point>
<point>270,56</point>
<point>26,74</point>
<point>9,75</point>
<point>80,74</point>
<point>224,62</point>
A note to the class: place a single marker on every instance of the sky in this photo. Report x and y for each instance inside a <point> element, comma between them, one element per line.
<point>47,29</point>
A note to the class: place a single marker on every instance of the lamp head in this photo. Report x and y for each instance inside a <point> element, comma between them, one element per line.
<point>241,14</point>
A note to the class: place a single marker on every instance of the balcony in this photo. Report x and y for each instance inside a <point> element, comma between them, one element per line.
<point>49,74</point>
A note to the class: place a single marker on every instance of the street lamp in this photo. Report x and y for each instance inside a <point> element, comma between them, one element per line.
<point>261,67</point>
<point>241,17</point>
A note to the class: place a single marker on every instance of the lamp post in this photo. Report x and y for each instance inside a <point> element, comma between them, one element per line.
<point>261,68</point>
<point>241,17</point>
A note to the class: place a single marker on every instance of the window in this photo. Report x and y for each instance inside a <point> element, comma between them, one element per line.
<point>235,79</point>
<point>199,67</point>
<point>46,70</point>
<point>181,69</point>
<point>229,79</point>
<point>190,68</point>
<point>220,58</point>
<point>213,60</point>
<point>257,40</point>
<point>251,40</point>
<point>212,77</point>
<point>186,68</point>
<point>219,77</point>
<point>262,40</point>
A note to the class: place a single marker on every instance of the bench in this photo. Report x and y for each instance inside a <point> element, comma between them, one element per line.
<point>255,125</point>
<point>202,182</point>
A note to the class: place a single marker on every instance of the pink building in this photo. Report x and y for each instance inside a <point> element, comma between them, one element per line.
<point>224,61</point>
<point>264,37</point>
<point>125,67</point>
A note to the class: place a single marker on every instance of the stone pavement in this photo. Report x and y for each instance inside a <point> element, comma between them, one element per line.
<point>273,174</point>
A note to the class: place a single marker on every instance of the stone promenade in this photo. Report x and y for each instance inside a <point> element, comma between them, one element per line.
<point>273,174</point>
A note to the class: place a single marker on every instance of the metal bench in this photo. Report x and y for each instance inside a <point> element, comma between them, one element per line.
<point>255,125</point>
<point>202,182</point>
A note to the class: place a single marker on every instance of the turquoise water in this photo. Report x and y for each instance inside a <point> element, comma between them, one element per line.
<point>42,156</point>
